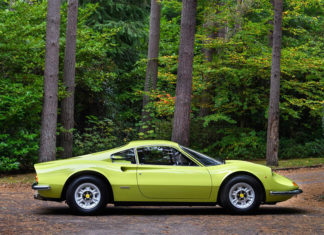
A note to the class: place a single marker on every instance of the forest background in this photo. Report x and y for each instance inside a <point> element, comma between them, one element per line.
<point>230,92</point>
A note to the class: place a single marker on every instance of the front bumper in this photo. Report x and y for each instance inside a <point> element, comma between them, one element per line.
<point>35,186</point>
<point>292,192</point>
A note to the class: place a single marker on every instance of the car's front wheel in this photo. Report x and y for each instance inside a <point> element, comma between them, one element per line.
<point>241,194</point>
<point>87,195</point>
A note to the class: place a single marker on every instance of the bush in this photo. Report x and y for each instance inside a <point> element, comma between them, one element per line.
<point>244,145</point>
<point>18,150</point>
<point>98,136</point>
<point>230,143</point>
<point>289,148</point>
<point>8,164</point>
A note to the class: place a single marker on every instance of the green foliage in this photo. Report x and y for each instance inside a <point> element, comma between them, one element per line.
<point>216,118</point>
<point>97,137</point>
<point>8,164</point>
<point>230,143</point>
<point>22,45</point>
<point>230,92</point>
<point>289,148</point>
<point>22,49</point>
<point>127,18</point>
<point>234,86</point>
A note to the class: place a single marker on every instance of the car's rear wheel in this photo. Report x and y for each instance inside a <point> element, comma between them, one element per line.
<point>241,194</point>
<point>87,195</point>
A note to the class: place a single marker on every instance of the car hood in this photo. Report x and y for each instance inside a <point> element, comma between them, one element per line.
<point>242,165</point>
<point>245,163</point>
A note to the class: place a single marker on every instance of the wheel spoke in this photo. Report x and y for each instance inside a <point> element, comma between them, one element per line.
<point>241,195</point>
<point>87,195</point>
<point>235,201</point>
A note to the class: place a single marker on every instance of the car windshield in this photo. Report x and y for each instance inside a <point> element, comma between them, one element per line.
<point>202,158</point>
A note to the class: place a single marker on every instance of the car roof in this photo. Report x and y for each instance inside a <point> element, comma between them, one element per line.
<point>137,143</point>
<point>134,144</point>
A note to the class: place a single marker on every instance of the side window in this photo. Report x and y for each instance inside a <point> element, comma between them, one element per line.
<point>159,155</point>
<point>126,157</point>
<point>153,155</point>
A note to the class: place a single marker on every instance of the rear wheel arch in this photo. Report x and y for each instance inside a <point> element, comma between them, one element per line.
<point>86,173</point>
<point>229,177</point>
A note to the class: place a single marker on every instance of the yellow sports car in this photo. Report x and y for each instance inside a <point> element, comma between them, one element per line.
<point>156,172</point>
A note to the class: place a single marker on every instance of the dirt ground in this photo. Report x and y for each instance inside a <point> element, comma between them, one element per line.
<point>304,214</point>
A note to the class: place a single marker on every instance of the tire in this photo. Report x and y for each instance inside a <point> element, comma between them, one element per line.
<point>241,194</point>
<point>87,195</point>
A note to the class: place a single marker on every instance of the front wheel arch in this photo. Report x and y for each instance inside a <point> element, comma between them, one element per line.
<point>236,174</point>
<point>84,173</point>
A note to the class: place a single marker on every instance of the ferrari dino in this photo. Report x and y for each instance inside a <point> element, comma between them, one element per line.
<point>156,172</point>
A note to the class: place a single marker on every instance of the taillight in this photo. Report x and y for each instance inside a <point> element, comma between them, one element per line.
<point>36,178</point>
<point>295,184</point>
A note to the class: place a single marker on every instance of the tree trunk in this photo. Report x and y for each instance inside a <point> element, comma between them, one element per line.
<point>67,106</point>
<point>181,121</point>
<point>152,60</point>
<point>47,149</point>
<point>273,118</point>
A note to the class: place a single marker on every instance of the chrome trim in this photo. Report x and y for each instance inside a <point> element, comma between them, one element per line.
<point>292,192</point>
<point>35,186</point>
<point>124,187</point>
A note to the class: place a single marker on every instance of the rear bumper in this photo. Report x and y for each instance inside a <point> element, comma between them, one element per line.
<point>35,186</point>
<point>39,197</point>
<point>292,192</point>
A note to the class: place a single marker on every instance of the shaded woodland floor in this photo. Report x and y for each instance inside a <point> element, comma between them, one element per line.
<point>304,214</point>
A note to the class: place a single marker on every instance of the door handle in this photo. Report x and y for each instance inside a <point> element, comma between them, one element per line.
<point>127,168</point>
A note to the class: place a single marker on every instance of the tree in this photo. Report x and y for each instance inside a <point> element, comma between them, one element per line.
<point>47,149</point>
<point>181,121</point>
<point>67,106</point>
<point>213,29</point>
<point>152,58</point>
<point>273,116</point>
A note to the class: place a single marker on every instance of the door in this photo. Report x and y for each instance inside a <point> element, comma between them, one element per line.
<point>124,182</point>
<point>165,173</point>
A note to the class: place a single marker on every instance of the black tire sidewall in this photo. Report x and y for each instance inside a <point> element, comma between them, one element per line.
<point>70,200</point>
<point>225,201</point>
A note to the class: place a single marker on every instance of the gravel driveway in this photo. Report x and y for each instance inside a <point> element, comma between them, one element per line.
<point>304,214</point>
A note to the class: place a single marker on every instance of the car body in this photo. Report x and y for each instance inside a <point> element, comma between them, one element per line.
<point>159,172</point>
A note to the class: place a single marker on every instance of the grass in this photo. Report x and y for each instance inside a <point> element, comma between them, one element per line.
<point>301,162</point>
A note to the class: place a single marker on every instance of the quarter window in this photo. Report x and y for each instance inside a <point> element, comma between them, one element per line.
<point>125,157</point>
<point>161,155</point>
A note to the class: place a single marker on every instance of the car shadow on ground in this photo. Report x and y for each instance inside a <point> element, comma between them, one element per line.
<point>149,211</point>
